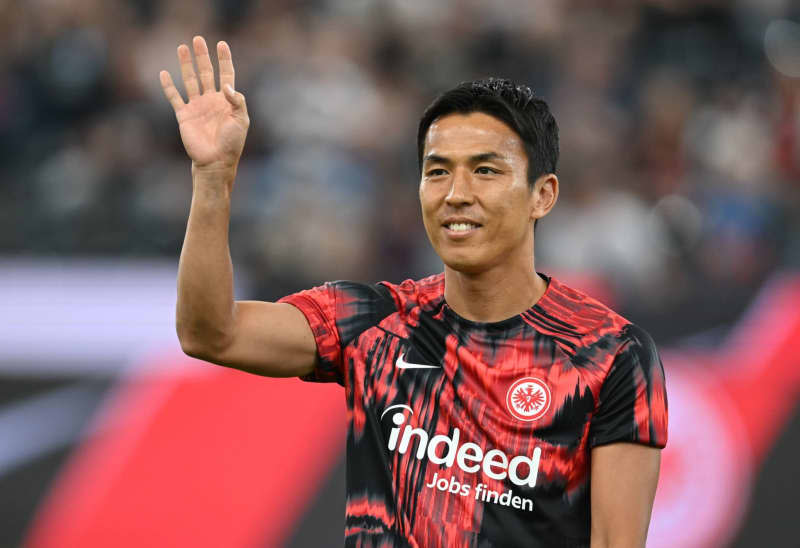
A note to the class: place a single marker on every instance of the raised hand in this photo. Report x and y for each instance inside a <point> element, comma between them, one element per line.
<point>213,124</point>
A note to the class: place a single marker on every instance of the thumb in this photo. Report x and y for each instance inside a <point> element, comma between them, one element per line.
<point>235,98</point>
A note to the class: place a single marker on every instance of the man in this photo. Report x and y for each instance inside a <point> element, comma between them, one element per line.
<point>488,405</point>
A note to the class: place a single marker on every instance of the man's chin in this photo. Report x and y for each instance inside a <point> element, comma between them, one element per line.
<point>464,265</point>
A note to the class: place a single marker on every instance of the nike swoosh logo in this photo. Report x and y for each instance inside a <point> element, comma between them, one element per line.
<point>403,364</point>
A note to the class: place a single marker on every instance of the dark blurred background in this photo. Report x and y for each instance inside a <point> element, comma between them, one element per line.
<point>679,207</point>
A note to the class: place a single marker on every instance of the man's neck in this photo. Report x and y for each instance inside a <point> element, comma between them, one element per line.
<point>493,295</point>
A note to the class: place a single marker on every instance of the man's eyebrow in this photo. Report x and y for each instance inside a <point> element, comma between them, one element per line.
<point>434,158</point>
<point>486,156</point>
<point>477,158</point>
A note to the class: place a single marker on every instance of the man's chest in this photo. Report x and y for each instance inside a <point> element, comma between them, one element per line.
<point>470,426</point>
<point>454,398</point>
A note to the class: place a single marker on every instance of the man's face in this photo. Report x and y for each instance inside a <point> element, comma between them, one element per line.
<point>476,204</point>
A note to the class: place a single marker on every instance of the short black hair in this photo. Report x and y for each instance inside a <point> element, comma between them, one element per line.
<point>515,105</point>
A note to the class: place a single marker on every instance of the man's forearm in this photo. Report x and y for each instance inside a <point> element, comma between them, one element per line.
<point>205,307</point>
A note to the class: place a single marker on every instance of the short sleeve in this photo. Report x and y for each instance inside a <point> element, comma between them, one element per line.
<point>632,406</point>
<point>337,313</point>
<point>318,305</point>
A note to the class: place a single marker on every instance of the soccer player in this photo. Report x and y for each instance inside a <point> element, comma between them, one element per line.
<point>488,405</point>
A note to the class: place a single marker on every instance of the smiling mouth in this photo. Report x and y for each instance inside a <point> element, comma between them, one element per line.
<point>461,228</point>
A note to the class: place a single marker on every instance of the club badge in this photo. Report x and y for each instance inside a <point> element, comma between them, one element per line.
<point>528,399</point>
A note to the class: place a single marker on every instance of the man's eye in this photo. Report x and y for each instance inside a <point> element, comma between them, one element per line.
<point>485,170</point>
<point>436,172</point>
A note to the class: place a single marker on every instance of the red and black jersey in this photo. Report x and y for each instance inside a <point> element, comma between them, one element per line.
<point>475,434</point>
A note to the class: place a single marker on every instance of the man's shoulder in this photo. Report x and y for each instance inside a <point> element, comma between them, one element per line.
<point>577,312</point>
<point>354,297</point>
<point>412,293</point>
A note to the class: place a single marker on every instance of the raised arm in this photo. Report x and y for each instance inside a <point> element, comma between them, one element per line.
<point>272,339</point>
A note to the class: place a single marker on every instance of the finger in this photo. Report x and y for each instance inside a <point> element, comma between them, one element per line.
<point>226,72</point>
<point>187,71</point>
<point>170,91</point>
<point>235,98</point>
<point>204,64</point>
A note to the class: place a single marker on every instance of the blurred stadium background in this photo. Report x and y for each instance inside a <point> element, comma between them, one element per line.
<point>680,207</point>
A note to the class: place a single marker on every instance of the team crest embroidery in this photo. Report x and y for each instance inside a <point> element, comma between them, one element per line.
<point>528,399</point>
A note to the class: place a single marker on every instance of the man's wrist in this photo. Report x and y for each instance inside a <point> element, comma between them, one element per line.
<point>213,181</point>
<point>214,171</point>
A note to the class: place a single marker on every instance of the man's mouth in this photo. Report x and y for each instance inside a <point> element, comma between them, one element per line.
<point>461,227</point>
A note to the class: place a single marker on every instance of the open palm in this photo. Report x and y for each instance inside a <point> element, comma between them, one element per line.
<point>213,124</point>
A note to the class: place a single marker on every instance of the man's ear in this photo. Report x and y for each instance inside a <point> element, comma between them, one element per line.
<point>544,195</point>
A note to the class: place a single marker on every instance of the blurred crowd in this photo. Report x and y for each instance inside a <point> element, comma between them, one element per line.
<point>679,124</point>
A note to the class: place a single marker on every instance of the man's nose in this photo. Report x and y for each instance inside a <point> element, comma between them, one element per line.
<point>460,188</point>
